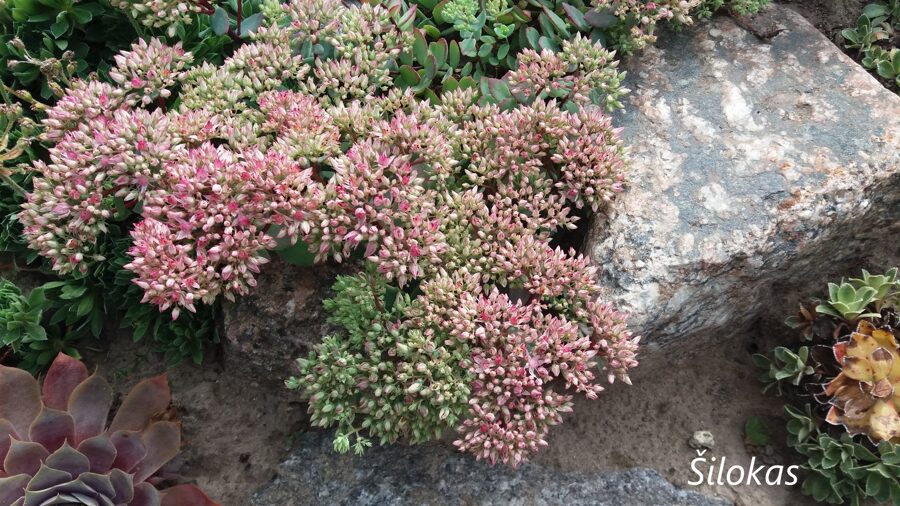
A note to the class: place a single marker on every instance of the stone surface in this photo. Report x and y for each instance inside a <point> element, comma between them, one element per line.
<point>761,168</point>
<point>434,474</point>
<point>702,439</point>
<point>278,322</point>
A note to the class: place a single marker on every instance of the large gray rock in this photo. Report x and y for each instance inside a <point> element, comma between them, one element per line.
<point>279,321</point>
<point>761,168</point>
<point>437,475</point>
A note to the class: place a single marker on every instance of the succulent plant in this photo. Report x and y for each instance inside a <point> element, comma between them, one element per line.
<point>874,36</point>
<point>885,285</point>
<point>20,315</point>
<point>864,397</point>
<point>56,446</point>
<point>849,302</point>
<point>805,322</point>
<point>785,365</point>
<point>839,470</point>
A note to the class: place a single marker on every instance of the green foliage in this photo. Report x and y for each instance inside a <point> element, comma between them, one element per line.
<point>46,43</point>
<point>784,366</point>
<point>849,302</point>
<point>739,7</point>
<point>28,329</point>
<point>756,432</point>
<point>20,316</point>
<point>874,38</point>
<point>885,285</point>
<point>383,377</point>
<point>489,35</point>
<point>841,470</point>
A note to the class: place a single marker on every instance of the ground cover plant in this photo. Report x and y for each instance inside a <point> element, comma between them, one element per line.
<point>445,164</point>
<point>48,48</point>
<point>838,378</point>
<point>876,40</point>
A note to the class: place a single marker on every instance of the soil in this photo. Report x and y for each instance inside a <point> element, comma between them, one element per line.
<point>829,16</point>
<point>650,423</point>
<point>236,429</point>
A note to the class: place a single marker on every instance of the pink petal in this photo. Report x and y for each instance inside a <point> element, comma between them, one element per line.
<point>163,441</point>
<point>146,399</point>
<point>20,398</point>
<point>89,406</point>
<point>64,375</point>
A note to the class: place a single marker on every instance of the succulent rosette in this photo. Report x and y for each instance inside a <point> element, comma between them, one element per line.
<point>864,396</point>
<point>56,447</point>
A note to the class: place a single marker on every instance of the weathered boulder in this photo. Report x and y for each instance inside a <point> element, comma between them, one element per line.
<point>761,168</point>
<point>278,322</point>
<point>438,475</point>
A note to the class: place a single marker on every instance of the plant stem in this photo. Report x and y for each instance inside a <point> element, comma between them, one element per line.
<point>14,185</point>
<point>375,296</point>
<point>240,16</point>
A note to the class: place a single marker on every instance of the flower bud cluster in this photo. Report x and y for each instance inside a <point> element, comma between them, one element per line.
<point>160,13</point>
<point>467,315</point>
<point>642,16</point>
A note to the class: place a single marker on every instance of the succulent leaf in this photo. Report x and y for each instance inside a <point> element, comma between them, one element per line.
<point>63,376</point>
<point>862,396</point>
<point>13,487</point>
<point>146,399</point>
<point>52,428</point>
<point>88,405</point>
<point>20,398</point>
<point>71,457</point>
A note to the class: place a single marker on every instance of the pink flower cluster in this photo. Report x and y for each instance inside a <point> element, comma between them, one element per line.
<point>104,163</point>
<point>210,219</point>
<point>517,353</point>
<point>376,199</point>
<point>149,70</point>
<point>459,196</point>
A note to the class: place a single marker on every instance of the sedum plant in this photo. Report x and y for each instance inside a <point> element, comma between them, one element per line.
<point>58,447</point>
<point>138,155</point>
<point>467,318</point>
<point>381,378</point>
